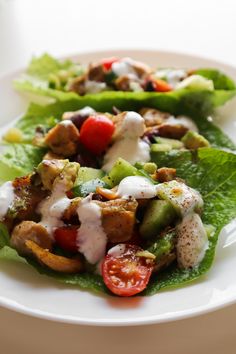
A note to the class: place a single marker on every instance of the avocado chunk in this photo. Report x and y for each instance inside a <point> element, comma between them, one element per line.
<point>164,245</point>
<point>49,170</point>
<point>158,215</point>
<point>174,143</point>
<point>193,140</point>
<point>164,249</point>
<point>161,147</point>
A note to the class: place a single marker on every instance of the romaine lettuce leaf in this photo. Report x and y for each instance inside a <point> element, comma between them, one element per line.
<point>184,101</point>
<point>19,160</point>
<point>213,173</point>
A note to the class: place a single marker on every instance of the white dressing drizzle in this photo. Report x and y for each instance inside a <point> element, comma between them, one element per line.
<point>91,239</point>
<point>86,111</point>
<point>94,86</point>
<point>128,145</point>
<point>6,198</point>
<point>192,241</point>
<point>52,209</point>
<point>172,76</point>
<point>136,187</point>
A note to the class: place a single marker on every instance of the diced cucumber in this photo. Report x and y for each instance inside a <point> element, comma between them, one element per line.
<point>160,147</point>
<point>163,246</point>
<point>119,171</point>
<point>174,143</point>
<point>82,190</point>
<point>158,215</point>
<point>87,173</point>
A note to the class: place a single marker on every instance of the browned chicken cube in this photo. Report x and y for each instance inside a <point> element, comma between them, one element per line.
<point>29,230</point>
<point>63,139</point>
<point>118,218</point>
<point>77,85</point>
<point>165,174</point>
<point>153,116</point>
<point>176,131</point>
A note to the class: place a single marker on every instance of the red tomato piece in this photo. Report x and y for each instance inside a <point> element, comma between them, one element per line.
<point>124,272</point>
<point>96,133</point>
<point>107,63</point>
<point>161,86</point>
<point>66,237</point>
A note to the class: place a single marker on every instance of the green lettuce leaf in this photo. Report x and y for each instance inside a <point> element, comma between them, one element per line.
<point>213,173</point>
<point>184,101</point>
<point>19,160</point>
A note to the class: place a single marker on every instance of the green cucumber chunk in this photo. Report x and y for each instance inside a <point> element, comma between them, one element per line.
<point>158,215</point>
<point>84,189</point>
<point>119,171</point>
<point>86,174</point>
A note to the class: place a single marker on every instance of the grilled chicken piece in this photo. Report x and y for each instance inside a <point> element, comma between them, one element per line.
<point>118,218</point>
<point>51,156</point>
<point>63,139</point>
<point>122,83</point>
<point>53,261</point>
<point>27,198</point>
<point>77,85</point>
<point>29,230</point>
<point>153,116</point>
<point>96,73</point>
<point>176,131</point>
<point>165,174</point>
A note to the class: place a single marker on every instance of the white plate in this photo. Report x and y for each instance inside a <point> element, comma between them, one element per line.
<point>24,290</point>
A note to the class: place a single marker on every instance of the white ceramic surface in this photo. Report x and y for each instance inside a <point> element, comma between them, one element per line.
<point>24,290</point>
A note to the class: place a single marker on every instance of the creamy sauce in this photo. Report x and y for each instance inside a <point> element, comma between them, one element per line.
<point>117,250</point>
<point>172,76</point>
<point>128,145</point>
<point>52,209</point>
<point>66,122</point>
<point>136,187</point>
<point>94,86</point>
<point>123,67</point>
<point>185,121</point>
<point>196,82</point>
<point>86,111</point>
<point>132,150</point>
<point>6,198</point>
<point>133,126</point>
<point>192,241</point>
<point>91,239</point>
<point>184,199</point>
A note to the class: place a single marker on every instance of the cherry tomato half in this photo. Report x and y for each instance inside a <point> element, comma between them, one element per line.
<point>107,62</point>
<point>66,237</point>
<point>96,133</point>
<point>125,273</point>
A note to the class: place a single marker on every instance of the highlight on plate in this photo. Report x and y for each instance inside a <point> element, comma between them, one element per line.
<point>115,193</point>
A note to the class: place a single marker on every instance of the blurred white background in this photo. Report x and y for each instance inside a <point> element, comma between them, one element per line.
<point>60,27</point>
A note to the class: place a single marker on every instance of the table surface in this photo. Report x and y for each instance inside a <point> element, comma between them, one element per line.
<point>203,27</point>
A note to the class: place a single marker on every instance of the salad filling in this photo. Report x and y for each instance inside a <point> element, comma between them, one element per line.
<point>113,227</point>
<point>96,139</point>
